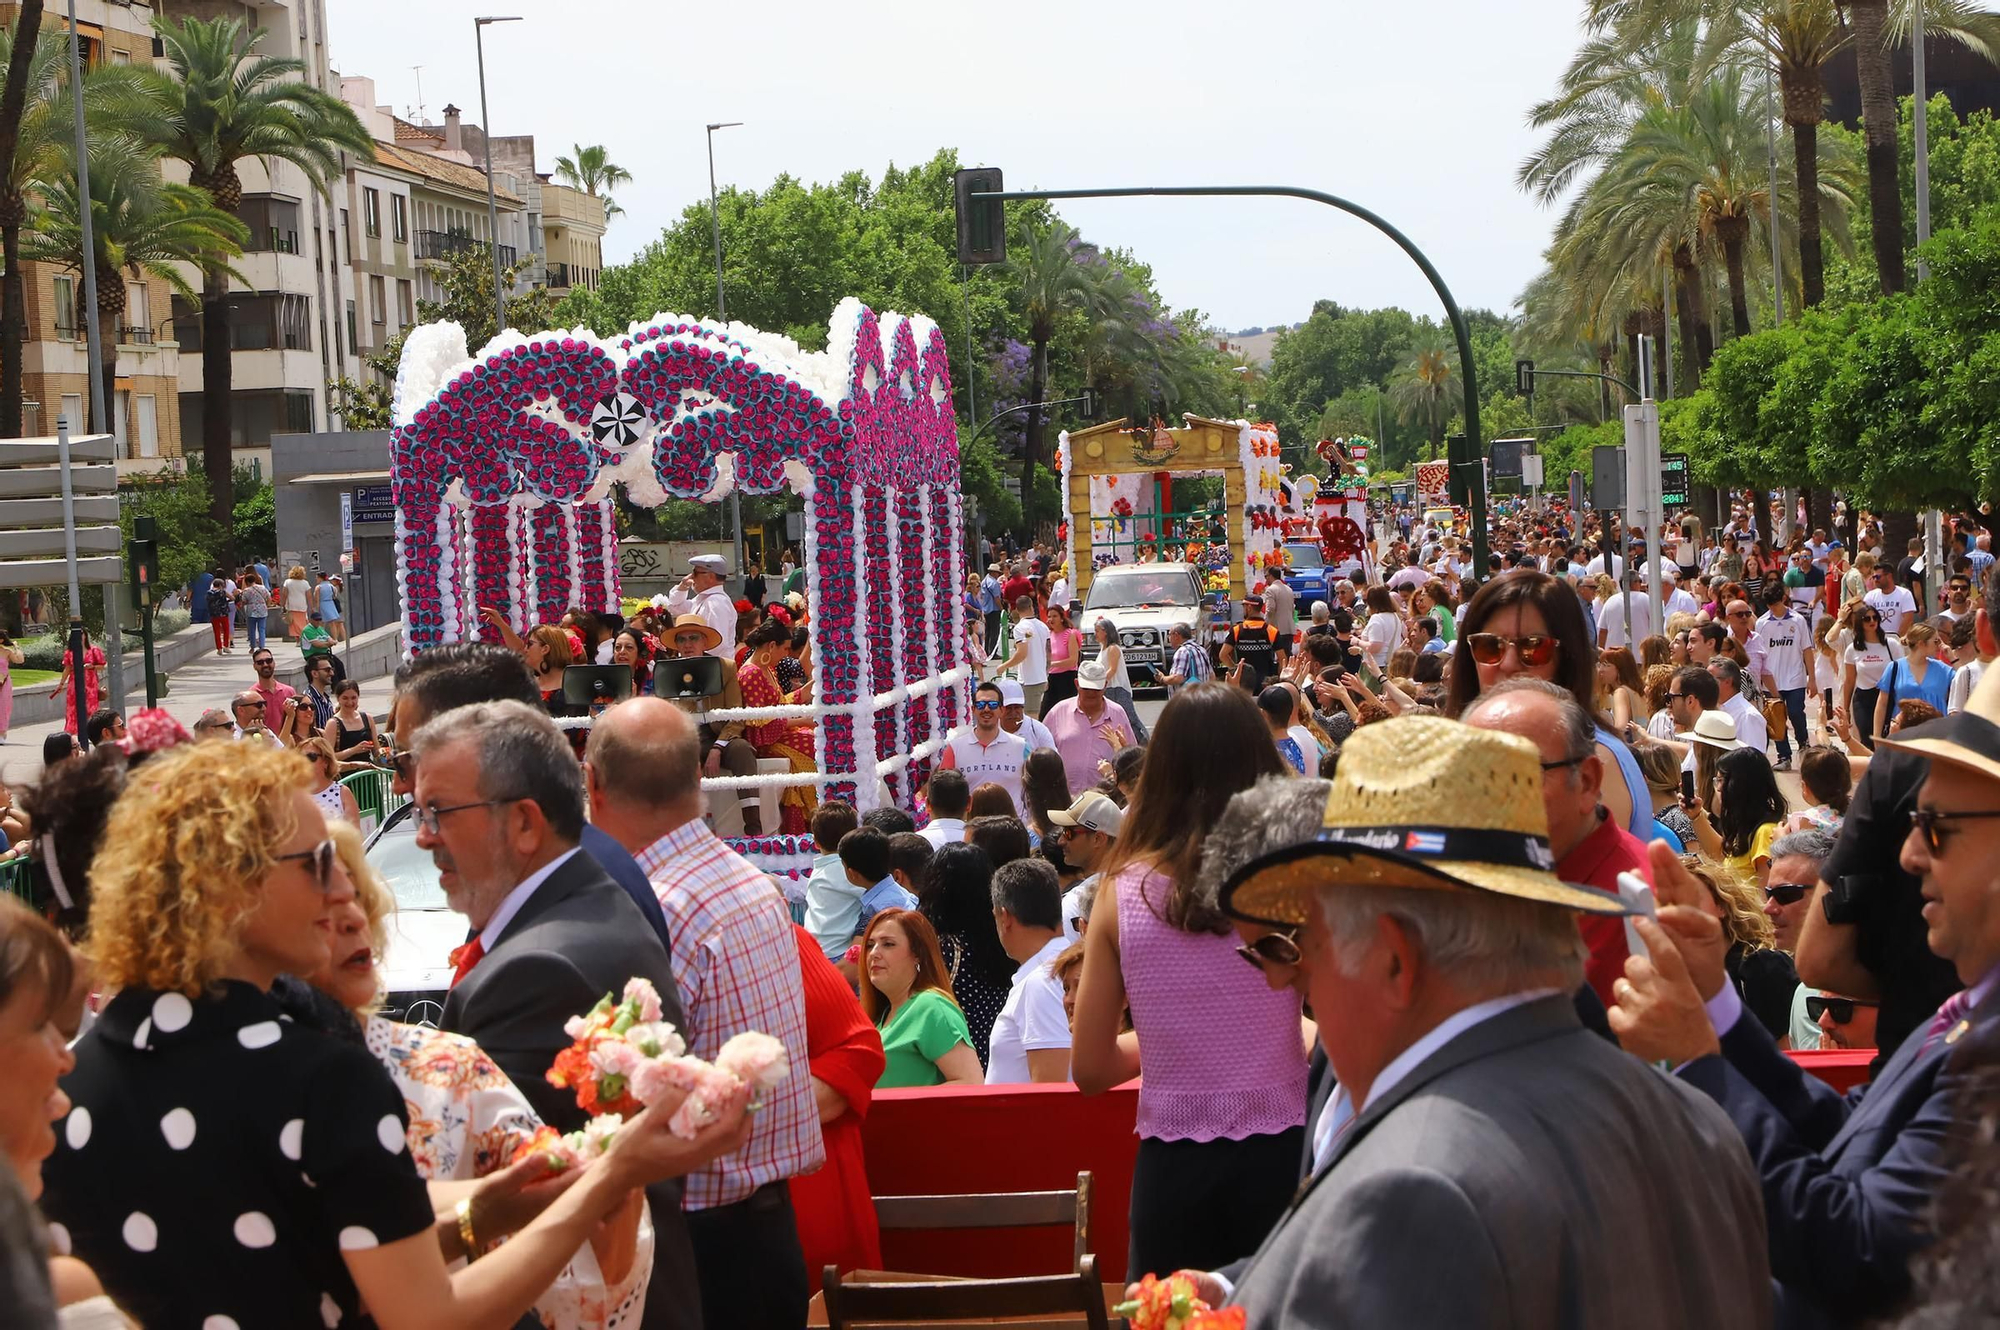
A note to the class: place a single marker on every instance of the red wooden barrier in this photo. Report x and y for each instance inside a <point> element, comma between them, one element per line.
<point>977,1138</point>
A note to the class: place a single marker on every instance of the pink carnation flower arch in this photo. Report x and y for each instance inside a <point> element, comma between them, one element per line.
<point>502,464</point>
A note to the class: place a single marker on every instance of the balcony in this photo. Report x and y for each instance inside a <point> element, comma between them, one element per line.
<point>135,336</point>
<point>437,245</point>
<point>562,276</point>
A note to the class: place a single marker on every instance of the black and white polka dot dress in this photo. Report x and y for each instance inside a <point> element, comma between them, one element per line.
<point>217,1161</point>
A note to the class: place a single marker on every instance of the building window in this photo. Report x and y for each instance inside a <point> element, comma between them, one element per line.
<point>346,236</point>
<point>257,322</point>
<point>371,211</point>
<point>149,425</point>
<point>399,217</point>
<point>72,411</point>
<point>353,339</point>
<point>66,308</point>
<point>378,303</point>
<point>138,315</point>
<point>406,313</point>
<point>255,414</point>
<point>119,58</point>
<point>273,223</point>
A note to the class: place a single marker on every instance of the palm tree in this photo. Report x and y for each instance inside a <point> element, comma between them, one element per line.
<point>1605,90</point>
<point>1874,28</point>
<point>1059,276</point>
<point>217,103</point>
<point>592,169</point>
<point>1711,155</point>
<point>140,226</point>
<point>1797,39</point>
<point>1421,390</point>
<point>13,293</point>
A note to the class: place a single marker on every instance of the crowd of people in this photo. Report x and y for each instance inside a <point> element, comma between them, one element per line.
<point>1361,910</point>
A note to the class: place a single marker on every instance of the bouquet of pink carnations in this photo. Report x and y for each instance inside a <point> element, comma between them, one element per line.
<point>623,1057</point>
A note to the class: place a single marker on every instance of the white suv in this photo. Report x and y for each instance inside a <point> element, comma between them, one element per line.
<point>1143,601</point>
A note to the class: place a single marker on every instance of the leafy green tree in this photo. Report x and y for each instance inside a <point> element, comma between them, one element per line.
<point>219,101</point>
<point>42,128</point>
<point>140,226</point>
<point>592,170</point>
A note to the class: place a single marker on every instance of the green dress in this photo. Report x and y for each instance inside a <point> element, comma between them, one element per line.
<point>926,1028</point>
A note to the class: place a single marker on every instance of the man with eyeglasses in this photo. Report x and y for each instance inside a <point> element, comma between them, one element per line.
<point>500,806</point>
<point>247,710</point>
<point>1741,621</point>
<point>1796,860</point>
<point>1850,1181</point>
<point>1589,846</point>
<point>986,752</point>
<point>1895,604</point>
<point>1087,831</point>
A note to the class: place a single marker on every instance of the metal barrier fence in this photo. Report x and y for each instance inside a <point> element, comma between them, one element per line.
<point>372,797</point>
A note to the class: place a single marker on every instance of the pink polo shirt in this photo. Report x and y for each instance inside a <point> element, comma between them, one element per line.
<point>1084,742</point>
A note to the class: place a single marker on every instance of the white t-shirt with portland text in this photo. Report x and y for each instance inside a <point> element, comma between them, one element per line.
<point>1032,1018</point>
<point>1034,667</point>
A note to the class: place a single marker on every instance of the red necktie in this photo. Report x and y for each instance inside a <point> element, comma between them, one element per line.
<point>464,958</point>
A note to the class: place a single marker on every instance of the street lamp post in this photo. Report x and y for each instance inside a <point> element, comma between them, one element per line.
<point>722,316</point>
<point>486,138</point>
<point>1469,460</point>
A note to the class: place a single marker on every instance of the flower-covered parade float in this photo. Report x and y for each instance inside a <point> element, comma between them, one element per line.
<point>502,462</point>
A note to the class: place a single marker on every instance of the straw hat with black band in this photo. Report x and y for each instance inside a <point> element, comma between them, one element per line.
<point>710,639</point>
<point>1968,738</point>
<point>1422,803</point>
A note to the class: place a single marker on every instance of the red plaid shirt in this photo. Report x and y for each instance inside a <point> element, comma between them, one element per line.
<point>737,966</point>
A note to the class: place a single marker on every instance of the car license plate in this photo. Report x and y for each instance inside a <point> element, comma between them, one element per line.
<point>1143,656</point>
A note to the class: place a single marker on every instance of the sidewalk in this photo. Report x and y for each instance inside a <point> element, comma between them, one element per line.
<point>206,681</point>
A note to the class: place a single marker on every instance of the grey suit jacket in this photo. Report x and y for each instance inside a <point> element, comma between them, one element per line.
<point>578,937</point>
<point>1527,1174</point>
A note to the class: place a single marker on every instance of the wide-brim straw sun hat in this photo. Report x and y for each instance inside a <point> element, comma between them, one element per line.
<point>1715,728</point>
<point>1423,803</point>
<point>710,639</point>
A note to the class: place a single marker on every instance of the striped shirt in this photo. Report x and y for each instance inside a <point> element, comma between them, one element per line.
<point>1192,664</point>
<point>737,964</point>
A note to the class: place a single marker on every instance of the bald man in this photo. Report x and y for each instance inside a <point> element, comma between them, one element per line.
<point>736,962</point>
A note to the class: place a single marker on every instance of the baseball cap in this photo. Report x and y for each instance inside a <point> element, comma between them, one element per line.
<point>1093,811</point>
<point>1091,674</point>
<point>1011,694</point>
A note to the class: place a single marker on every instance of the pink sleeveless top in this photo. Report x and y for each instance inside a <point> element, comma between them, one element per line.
<point>1220,1053</point>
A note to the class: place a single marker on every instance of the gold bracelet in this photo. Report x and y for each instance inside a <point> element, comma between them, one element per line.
<point>464,1212</point>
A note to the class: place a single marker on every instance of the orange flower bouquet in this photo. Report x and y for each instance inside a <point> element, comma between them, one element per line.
<point>623,1057</point>
<point>1172,1304</point>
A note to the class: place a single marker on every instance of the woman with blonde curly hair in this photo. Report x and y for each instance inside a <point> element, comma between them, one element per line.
<point>211,1138</point>
<point>467,1118</point>
<point>1764,976</point>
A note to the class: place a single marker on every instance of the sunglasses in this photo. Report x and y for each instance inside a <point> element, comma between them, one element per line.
<point>1842,1008</point>
<point>1740,614</point>
<point>1787,893</point>
<point>320,858</point>
<point>1491,648</point>
<point>1280,948</point>
<point>1930,823</point>
<point>985,705</point>
<point>403,762</point>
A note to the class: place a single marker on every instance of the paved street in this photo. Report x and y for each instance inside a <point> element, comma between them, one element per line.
<point>207,681</point>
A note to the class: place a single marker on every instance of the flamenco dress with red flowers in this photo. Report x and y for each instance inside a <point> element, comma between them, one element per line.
<point>785,739</point>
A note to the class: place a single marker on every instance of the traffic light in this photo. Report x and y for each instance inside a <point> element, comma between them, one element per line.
<point>982,223</point>
<point>143,553</point>
<point>1087,408</point>
<point>1524,378</point>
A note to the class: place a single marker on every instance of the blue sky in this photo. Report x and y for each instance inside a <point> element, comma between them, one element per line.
<point>1414,110</point>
